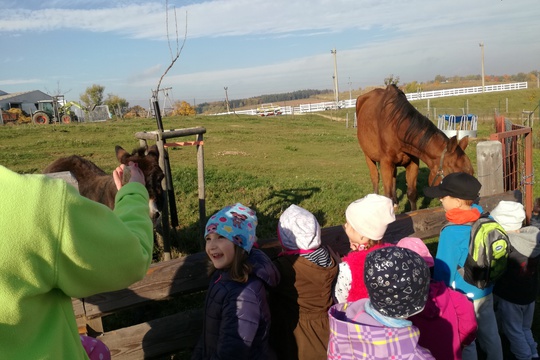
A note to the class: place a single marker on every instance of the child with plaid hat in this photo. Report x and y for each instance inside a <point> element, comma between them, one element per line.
<point>515,292</point>
<point>300,303</point>
<point>367,220</point>
<point>457,193</point>
<point>397,280</point>
<point>237,316</point>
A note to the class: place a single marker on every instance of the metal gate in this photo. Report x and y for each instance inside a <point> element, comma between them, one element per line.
<point>517,145</point>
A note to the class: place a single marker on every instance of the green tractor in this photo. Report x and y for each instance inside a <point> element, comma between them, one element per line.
<point>53,111</point>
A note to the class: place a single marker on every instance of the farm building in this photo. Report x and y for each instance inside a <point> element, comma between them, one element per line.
<point>26,101</point>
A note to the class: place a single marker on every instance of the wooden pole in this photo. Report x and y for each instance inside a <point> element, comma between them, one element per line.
<point>201,188</point>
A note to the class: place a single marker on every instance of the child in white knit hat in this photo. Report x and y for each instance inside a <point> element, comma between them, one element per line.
<point>515,293</point>
<point>300,303</point>
<point>367,221</point>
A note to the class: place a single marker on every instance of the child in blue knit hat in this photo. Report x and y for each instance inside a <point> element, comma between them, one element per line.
<point>237,317</point>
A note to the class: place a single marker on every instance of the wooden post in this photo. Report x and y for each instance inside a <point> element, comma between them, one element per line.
<point>490,169</point>
<point>160,137</point>
<point>201,188</point>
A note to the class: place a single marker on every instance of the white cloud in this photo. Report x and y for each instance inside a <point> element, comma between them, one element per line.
<point>19,81</point>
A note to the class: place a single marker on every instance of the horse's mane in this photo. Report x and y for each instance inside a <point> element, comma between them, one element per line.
<point>420,129</point>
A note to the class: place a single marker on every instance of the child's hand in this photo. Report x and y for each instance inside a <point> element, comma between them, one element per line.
<point>130,173</point>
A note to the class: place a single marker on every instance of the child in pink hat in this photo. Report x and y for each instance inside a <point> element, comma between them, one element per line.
<point>447,323</point>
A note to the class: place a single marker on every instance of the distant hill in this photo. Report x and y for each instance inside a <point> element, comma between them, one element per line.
<point>219,106</point>
<point>311,95</point>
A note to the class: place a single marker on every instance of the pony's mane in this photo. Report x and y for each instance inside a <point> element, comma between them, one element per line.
<point>420,129</point>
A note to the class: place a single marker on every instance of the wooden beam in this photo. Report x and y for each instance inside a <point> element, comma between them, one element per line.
<point>157,337</point>
<point>163,280</point>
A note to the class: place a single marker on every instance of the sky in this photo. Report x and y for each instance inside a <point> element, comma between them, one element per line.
<point>256,47</point>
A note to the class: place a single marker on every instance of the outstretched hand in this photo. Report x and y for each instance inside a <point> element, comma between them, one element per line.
<point>128,173</point>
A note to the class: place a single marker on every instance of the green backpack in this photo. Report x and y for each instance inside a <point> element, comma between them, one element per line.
<point>489,248</point>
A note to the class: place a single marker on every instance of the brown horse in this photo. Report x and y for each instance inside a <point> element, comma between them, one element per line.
<point>393,133</point>
<point>99,186</point>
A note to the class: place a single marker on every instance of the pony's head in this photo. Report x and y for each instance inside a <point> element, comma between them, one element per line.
<point>453,159</point>
<point>148,162</point>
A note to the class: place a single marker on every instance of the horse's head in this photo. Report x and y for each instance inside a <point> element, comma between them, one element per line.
<point>148,162</point>
<point>453,159</point>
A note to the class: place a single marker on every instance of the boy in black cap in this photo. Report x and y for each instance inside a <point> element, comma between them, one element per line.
<point>457,193</point>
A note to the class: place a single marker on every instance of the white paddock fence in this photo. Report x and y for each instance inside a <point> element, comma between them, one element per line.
<point>351,103</point>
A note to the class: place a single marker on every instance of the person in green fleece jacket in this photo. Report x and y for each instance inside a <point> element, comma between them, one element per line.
<point>55,245</point>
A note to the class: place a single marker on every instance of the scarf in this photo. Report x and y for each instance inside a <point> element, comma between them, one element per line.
<point>460,216</point>
<point>385,320</point>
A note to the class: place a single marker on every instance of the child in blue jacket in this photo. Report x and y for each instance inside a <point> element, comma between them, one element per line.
<point>457,193</point>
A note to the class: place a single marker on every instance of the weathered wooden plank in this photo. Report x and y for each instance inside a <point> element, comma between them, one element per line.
<point>157,337</point>
<point>183,275</point>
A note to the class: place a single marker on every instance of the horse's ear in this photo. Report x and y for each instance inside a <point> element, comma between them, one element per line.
<point>120,153</point>
<point>464,142</point>
<point>452,144</point>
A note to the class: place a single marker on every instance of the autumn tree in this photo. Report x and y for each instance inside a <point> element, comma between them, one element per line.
<point>412,87</point>
<point>93,96</point>
<point>391,80</point>
<point>182,108</point>
<point>116,104</point>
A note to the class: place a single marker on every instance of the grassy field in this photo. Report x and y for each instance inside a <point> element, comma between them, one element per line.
<point>265,163</point>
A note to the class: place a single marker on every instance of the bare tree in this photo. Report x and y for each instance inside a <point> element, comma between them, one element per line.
<point>179,48</point>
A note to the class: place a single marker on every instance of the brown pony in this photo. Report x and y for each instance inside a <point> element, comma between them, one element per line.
<point>393,133</point>
<point>99,186</point>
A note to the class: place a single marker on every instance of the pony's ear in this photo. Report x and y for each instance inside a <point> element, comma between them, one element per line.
<point>154,151</point>
<point>120,153</point>
<point>464,142</point>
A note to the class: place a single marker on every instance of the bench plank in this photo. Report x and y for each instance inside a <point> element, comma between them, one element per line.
<point>163,280</point>
<point>157,337</point>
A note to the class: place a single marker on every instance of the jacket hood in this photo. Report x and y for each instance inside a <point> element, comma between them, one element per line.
<point>526,241</point>
<point>263,267</point>
<point>435,303</point>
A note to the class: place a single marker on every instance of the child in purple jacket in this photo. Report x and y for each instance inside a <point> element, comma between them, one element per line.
<point>236,321</point>
<point>397,280</point>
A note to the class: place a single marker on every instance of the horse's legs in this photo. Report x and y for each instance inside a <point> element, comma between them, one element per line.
<point>373,174</point>
<point>387,175</point>
<point>411,175</point>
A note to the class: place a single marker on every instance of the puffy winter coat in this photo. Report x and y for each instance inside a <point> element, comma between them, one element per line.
<point>237,316</point>
<point>447,323</point>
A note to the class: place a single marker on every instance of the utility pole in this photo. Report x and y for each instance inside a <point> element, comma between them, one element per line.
<point>227,99</point>
<point>482,47</point>
<point>350,89</point>
<point>336,90</point>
